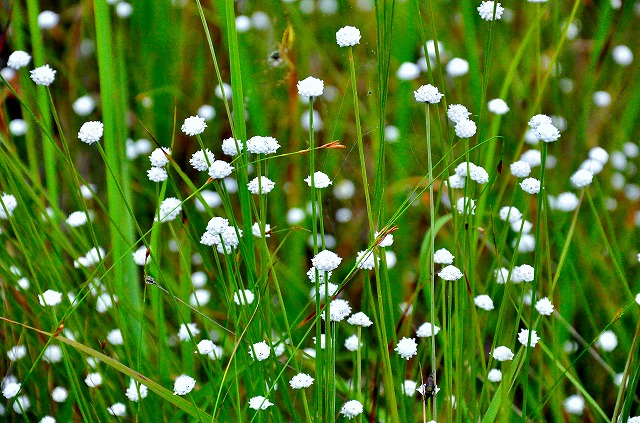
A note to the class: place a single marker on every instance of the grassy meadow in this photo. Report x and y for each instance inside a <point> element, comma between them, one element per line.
<point>450,209</point>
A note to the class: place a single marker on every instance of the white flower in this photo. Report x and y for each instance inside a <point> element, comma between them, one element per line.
<point>498,106</point>
<point>84,105</point>
<point>159,158</point>
<point>443,256</point>
<point>8,204</point>
<point>457,67</point>
<point>243,297</point>
<point>450,273</point>
<point>183,385</point>
<point>484,302</point>
<point>360,319</point>
<point>52,354</point>
<point>348,36</point>
<point>523,273</point>
<point>426,330</point>
<point>220,169</point>
<point>365,260</point>
<point>48,19</point>
<point>538,120</point>
<point>59,394</point>
<point>21,404</point>
<point>607,341</point>
<point>523,337</point>
<point>457,112</point>
<point>320,180</point>
<point>201,162</point>
<point>17,352</point>
<point>622,55</point>
<point>50,298</point>
<point>352,343</point>
<point>544,307</point>
<point>257,232</point>
<point>18,127</point>
<point>408,71</point>
<point>11,389</point>
<point>479,174</point>
<point>352,408</point>
<point>140,257</point>
<point>486,10</point>
<point>78,218</point>
<point>157,174</point>
<point>18,59</point>
<point>326,261</point>
<point>193,125</point>
<point>465,128</point>
<point>409,387</point>
<point>301,380</point>
<point>230,148</point>
<point>567,202</point>
<point>407,348</point>
<point>502,353</point>
<point>533,157</point>
<point>311,87</point>
<point>93,380</point>
<point>91,132</point>
<point>602,99</point>
<point>511,214</point>
<point>338,310</point>
<point>599,154</point>
<point>264,186</point>
<point>581,178</point>
<point>520,169</point>
<point>115,337</point>
<point>118,409</point>
<point>205,347</point>
<point>463,204</point>
<point>546,132</point>
<point>43,75</point>
<point>574,405</point>
<point>262,145</point>
<point>186,331</point>
<point>494,375</point>
<point>387,241</point>
<point>530,186</point>
<point>259,403</point>
<point>428,94</point>
<point>170,208</point>
<point>260,351</point>
<point>199,298</point>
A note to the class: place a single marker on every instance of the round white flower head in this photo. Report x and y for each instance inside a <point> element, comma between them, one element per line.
<point>323,289</point>
<point>428,94</point>
<point>486,10</point>
<point>170,208</point>
<point>18,59</point>
<point>262,145</point>
<point>17,352</point>
<point>360,319</point>
<point>607,341</point>
<point>320,180</point>
<point>93,380</point>
<point>348,36</point>
<point>243,297</point>
<point>263,185</point>
<point>201,162</point>
<point>546,132</point>
<point>217,225</point>
<point>501,275</point>
<point>301,380</point>
<point>50,298</point>
<point>484,302</point>
<point>260,351</point>
<point>311,274</point>
<point>183,385</point>
<point>47,419</point>
<point>599,154</point>
<point>533,157</point>
<point>339,310</point>
<point>530,186</point>
<point>407,348</point>
<point>193,125</point>
<point>159,158</point>
<point>523,273</point>
<point>157,174</point>
<point>574,405</point>
<point>538,120</point>
<point>11,389</point>
<point>622,55</point>
<point>523,337</point>
<point>91,132</point>
<point>457,67</point>
<point>502,353</point>
<point>352,408</point>
<point>79,218</point>
<point>187,331</point>
<point>140,256</point>
<point>494,375</point>
<point>205,347</point>
<point>18,127</point>
<point>581,178</point>
<point>457,112</point>
<point>511,214</point>
<point>84,105</point>
<point>118,409</point>
<point>465,128</point>
<point>409,387</point>
<point>520,169</point>
<point>230,148</point>
<point>259,403</point>
<point>52,354</point>
<point>352,343</point>
<point>199,298</point>
<point>387,241</point>
<point>479,174</point>
<point>8,204</point>
<point>59,394</point>
<point>544,307</point>
<point>602,99</point>
<point>466,205</point>
<point>443,256</point>
<point>408,71</point>
<point>311,87</point>
<point>326,261</point>
<point>43,75</point>
<point>115,337</point>
<point>21,404</point>
<point>220,169</point>
<point>426,330</point>
<point>257,232</point>
<point>498,106</point>
<point>365,260</point>
<point>48,19</point>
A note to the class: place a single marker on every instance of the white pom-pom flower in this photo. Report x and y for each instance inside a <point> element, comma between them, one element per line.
<point>201,160</point>
<point>494,375</point>
<point>520,169</point>
<point>220,169</point>
<point>320,180</point>
<point>498,106</point>
<point>91,132</point>
<point>486,9</point>
<point>523,337</point>
<point>348,36</point>
<point>351,409</point>
<point>544,306</point>
<point>360,319</point>
<point>457,112</point>
<point>43,75</point>
<point>581,178</point>
<point>502,353</point>
<point>530,186</point>
<point>546,132</point>
<point>230,146</point>
<point>157,174</point>
<point>301,380</point>
<point>607,341</point>
<point>263,185</point>
<point>484,302</point>
<point>50,298</point>
<point>259,403</point>
<point>407,348</point>
<point>326,261</point>
<point>428,94</point>
<point>311,87</point>
<point>170,208</point>
<point>260,351</point>
<point>158,157</point>
<point>465,128</point>
<point>193,125</point>
<point>365,260</point>
<point>262,145</point>
<point>183,385</point>
<point>18,59</point>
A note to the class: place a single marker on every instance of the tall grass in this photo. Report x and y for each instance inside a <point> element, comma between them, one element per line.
<point>391,162</point>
